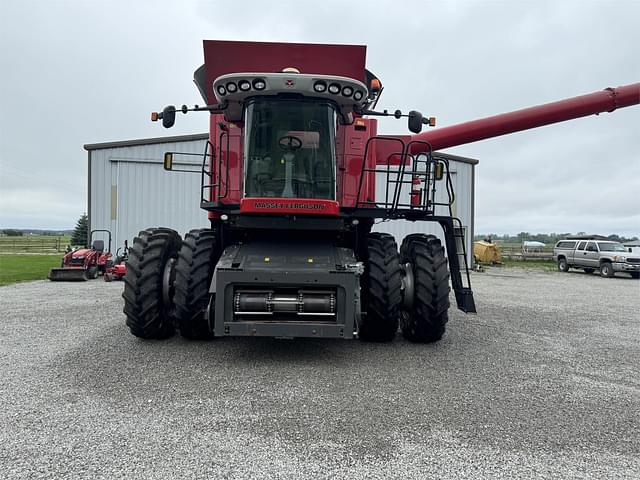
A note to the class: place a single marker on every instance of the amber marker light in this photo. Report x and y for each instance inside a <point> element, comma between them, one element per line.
<point>154,116</point>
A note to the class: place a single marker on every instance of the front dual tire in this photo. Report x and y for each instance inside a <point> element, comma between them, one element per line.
<point>410,289</point>
<point>425,314</point>
<point>148,283</point>
<point>167,283</point>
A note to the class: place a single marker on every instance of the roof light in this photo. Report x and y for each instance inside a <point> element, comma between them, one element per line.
<point>375,85</point>
<point>259,84</point>
<point>231,87</point>
<point>358,95</point>
<point>334,88</point>
<point>221,90</point>
<point>290,70</point>
<point>319,87</point>
<point>244,85</point>
<point>347,91</point>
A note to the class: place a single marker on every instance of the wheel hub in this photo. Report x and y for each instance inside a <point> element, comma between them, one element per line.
<point>407,286</point>
<point>168,276</point>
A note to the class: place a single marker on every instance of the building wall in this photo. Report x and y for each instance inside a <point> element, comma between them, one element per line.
<point>129,191</point>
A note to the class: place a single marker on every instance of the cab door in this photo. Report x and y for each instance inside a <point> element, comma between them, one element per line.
<point>580,254</point>
<point>592,255</point>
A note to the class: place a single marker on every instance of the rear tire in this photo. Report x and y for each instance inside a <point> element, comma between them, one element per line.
<point>563,266</point>
<point>381,289</point>
<point>148,289</point>
<point>108,277</point>
<point>606,270</point>
<point>426,320</point>
<point>198,256</point>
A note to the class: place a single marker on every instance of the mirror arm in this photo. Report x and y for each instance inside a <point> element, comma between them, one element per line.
<point>213,108</point>
<point>431,121</point>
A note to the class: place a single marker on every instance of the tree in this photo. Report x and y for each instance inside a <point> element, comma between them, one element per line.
<point>80,233</point>
<point>12,233</point>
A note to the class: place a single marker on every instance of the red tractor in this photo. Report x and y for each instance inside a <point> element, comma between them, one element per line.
<point>84,263</point>
<point>289,179</point>
<point>117,269</point>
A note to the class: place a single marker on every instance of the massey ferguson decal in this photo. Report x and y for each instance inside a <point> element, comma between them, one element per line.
<point>310,206</point>
<point>292,205</point>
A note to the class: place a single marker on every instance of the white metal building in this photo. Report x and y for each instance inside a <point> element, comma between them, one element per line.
<point>129,190</point>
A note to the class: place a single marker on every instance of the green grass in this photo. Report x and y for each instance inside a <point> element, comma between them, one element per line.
<point>538,264</point>
<point>22,268</point>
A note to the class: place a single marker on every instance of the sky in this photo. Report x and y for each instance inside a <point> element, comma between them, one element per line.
<point>78,72</point>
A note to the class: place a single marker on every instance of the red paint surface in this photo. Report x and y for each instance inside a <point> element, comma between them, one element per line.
<point>295,206</point>
<point>223,57</point>
<point>227,166</point>
<point>351,142</point>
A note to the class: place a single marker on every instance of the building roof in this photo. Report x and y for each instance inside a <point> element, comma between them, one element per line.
<point>146,141</point>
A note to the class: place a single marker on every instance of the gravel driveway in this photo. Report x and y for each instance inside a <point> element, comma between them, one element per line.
<point>543,383</point>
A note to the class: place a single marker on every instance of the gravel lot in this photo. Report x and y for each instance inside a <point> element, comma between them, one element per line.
<point>542,383</point>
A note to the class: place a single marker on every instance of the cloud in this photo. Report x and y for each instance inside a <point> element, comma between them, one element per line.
<point>85,72</point>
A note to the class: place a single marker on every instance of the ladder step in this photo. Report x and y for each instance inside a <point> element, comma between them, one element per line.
<point>464,299</point>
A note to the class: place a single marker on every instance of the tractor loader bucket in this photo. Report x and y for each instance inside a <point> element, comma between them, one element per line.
<point>67,275</point>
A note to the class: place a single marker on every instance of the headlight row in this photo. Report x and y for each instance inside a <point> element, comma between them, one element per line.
<point>243,85</point>
<point>335,89</point>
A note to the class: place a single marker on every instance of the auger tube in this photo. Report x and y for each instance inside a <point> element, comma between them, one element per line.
<point>607,100</point>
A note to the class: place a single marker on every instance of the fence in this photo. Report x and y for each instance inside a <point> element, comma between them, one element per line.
<point>517,253</point>
<point>33,244</point>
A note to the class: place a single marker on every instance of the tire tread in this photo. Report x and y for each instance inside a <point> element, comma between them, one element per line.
<point>426,322</point>
<point>146,315</point>
<point>382,293</point>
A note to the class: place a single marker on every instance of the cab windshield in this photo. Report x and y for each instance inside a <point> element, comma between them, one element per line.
<point>290,149</point>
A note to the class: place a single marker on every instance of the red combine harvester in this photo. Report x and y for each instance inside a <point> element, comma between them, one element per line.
<point>83,263</point>
<point>289,180</point>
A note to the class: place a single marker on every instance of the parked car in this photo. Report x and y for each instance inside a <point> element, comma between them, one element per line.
<point>590,255</point>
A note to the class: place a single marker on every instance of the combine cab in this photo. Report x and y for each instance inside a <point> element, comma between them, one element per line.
<point>289,180</point>
<point>84,263</point>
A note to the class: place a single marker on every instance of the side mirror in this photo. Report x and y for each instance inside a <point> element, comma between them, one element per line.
<point>415,121</point>
<point>438,171</point>
<point>168,116</point>
<point>168,161</point>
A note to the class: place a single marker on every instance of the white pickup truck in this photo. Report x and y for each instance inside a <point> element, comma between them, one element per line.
<point>590,255</point>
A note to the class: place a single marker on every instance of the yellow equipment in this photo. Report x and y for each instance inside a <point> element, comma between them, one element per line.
<point>486,252</point>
